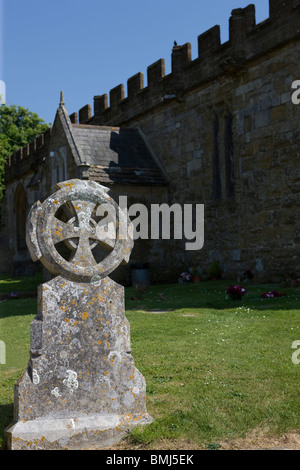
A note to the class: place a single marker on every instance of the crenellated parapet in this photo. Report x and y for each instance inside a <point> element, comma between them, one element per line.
<point>26,158</point>
<point>247,41</point>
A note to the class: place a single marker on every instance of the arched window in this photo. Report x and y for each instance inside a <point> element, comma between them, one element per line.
<point>58,168</point>
<point>20,215</point>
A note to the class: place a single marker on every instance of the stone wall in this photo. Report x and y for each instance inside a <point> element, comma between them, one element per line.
<point>23,175</point>
<point>162,257</point>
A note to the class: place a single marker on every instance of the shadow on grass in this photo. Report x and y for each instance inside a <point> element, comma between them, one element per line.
<point>22,284</point>
<point>210,295</point>
<point>169,297</point>
<point>18,307</point>
<point>6,418</point>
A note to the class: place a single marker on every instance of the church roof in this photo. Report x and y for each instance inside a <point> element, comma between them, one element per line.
<point>112,154</point>
<point>118,155</point>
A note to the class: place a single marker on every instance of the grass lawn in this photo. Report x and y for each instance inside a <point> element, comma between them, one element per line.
<point>21,284</point>
<point>215,369</point>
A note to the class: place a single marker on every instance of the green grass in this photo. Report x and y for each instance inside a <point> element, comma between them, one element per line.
<point>21,284</point>
<point>215,369</point>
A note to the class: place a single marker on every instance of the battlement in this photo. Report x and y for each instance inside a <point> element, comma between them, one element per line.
<point>247,41</point>
<point>28,157</point>
<point>30,149</point>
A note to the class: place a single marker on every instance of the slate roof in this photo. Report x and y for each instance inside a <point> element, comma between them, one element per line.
<point>118,155</point>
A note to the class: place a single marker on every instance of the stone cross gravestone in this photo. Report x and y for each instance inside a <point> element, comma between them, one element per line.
<point>81,389</point>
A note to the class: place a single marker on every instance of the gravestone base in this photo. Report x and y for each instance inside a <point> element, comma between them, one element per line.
<point>74,433</point>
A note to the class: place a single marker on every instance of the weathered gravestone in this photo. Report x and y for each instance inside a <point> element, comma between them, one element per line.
<point>81,389</point>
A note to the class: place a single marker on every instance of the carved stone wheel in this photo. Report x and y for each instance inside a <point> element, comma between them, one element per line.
<point>69,216</point>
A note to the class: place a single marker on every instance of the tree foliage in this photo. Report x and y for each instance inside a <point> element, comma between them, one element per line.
<point>18,127</point>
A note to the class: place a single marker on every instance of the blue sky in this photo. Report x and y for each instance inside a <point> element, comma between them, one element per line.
<point>85,48</point>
